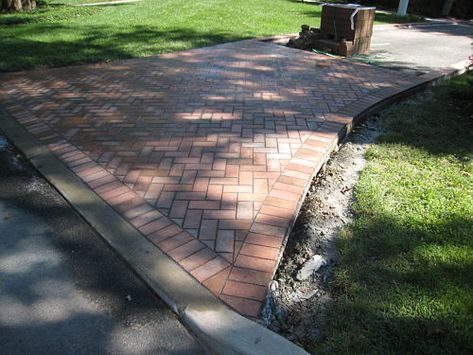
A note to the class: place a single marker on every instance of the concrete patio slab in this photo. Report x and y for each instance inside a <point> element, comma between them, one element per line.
<point>206,153</point>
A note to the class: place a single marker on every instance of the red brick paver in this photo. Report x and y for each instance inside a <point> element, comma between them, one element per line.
<point>208,152</point>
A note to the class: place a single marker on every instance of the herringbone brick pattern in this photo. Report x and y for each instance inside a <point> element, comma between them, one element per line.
<point>207,152</point>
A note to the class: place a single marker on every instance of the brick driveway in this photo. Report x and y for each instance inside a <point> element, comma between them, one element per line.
<point>207,152</point>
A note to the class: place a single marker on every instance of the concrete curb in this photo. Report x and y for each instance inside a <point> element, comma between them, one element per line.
<point>219,329</point>
<point>428,23</point>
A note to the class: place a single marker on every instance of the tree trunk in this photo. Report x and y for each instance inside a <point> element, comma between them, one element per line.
<point>402,9</point>
<point>11,5</point>
<point>17,5</point>
<point>28,5</point>
<point>447,7</point>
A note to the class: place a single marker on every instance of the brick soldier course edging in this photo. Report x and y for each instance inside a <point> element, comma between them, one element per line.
<point>207,153</point>
<point>218,329</point>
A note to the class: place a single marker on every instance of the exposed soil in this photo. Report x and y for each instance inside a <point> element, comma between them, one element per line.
<point>299,293</point>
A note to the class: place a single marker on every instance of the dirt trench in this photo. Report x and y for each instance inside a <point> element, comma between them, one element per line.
<point>299,293</point>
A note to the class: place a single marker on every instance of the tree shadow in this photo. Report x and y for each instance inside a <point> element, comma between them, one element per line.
<point>195,96</point>
<point>97,44</point>
<point>72,299</point>
<point>389,269</point>
<point>446,114</point>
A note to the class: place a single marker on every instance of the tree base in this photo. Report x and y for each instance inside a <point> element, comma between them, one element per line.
<point>17,5</point>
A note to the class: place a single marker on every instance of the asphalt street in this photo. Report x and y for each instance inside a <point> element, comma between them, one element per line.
<point>422,48</point>
<point>62,289</point>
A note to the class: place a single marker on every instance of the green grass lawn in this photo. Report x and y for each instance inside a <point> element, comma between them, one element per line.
<point>57,34</point>
<point>78,2</point>
<point>405,280</point>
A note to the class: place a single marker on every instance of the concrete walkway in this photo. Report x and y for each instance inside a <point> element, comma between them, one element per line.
<point>208,152</point>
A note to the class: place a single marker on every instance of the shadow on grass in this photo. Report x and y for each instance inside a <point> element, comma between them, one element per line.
<point>441,124</point>
<point>96,44</point>
<point>44,14</point>
<point>405,281</point>
<point>403,290</point>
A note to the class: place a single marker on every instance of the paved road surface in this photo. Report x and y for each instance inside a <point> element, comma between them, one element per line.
<point>62,291</point>
<point>422,48</point>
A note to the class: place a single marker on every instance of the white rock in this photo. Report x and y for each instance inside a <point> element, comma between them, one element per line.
<point>308,294</point>
<point>310,266</point>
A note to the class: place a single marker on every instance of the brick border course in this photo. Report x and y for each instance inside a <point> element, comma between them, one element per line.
<point>237,280</point>
<point>218,329</point>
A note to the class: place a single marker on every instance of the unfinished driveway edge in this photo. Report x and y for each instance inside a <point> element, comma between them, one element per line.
<point>218,328</point>
<point>386,97</point>
<point>344,120</point>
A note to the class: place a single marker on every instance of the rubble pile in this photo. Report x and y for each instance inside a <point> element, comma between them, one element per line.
<point>307,38</point>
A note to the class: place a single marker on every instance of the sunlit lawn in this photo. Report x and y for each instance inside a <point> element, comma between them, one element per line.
<point>57,34</point>
<point>60,35</point>
<point>405,281</point>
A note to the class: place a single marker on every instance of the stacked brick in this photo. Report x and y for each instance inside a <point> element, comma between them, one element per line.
<point>345,30</point>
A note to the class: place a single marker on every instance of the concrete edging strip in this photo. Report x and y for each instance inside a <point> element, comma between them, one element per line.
<point>219,329</point>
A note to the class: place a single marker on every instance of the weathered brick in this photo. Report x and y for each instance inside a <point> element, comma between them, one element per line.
<point>175,241</point>
<point>208,229</point>
<point>259,251</point>
<point>245,290</point>
<point>254,263</point>
<point>266,240</point>
<point>215,283</point>
<point>155,226</point>
<point>247,307</point>
<point>192,219</point>
<point>225,241</point>
<point>250,276</point>
<point>209,269</point>
<point>186,250</point>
